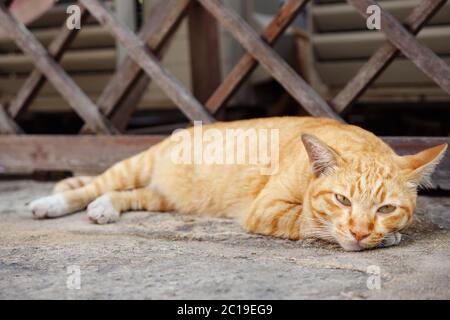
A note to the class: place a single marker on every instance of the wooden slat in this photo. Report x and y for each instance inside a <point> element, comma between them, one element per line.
<point>90,36</point>
<point>54,73</point>
<point>94,153</point>
<point>124,108</point>
<point>74,61</point>
<point>401,72</point>
<point>158,27</point>
<point>247,63</point>
<point>334,46</point>
<point>204,45</point>
<point>129,82</point>
<point>270,60</point>
<point>7,124</point>
<point>340,16</point>
<point>381,59</point>
<point>141,54</point>
<point>36,80</point>
<point>57,16</point>
<point>422,56</point>
<point>123,111</point>
<point>403,94</point>
<point>90,83</point>
<point>27,11</point>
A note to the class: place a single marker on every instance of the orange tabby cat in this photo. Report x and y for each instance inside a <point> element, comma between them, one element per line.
<point>336,182</point>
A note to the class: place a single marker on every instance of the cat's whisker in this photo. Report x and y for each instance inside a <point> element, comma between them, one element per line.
<point>322,233</point>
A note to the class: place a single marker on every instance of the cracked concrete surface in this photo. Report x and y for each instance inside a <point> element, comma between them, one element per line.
<point>169,256</point>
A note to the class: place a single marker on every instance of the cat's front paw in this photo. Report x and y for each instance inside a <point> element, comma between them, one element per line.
<point>102,211</point>
<point>392,239</point>
<point>49,207</point>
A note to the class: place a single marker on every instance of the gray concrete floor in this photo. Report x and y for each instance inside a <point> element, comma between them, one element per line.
<point>169,256</point>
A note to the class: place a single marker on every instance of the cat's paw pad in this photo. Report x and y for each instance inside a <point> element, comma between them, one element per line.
<point>49,207</point>
<point>102,211</point>
<point>392,239</point>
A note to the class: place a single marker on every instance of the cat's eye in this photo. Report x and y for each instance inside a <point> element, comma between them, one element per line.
<point>343,200</point>
<point>386,209</point>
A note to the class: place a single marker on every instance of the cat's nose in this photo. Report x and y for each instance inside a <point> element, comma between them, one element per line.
<point>359,235</point>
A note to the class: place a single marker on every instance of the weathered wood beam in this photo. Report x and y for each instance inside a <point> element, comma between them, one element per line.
<point>270,60</point>
<point>94,153</point>
<point>206,73</point>
<point>36,80</point>
<point>54,72</point>
<point>420,55</point>
<point>142,55</point>
<point>126,106</point>
<point>381,59</point>
<point>7,124</point>
<point>91,153</point>
<point>122,93</point>
<point>28,11</point>
<point>247,63</point>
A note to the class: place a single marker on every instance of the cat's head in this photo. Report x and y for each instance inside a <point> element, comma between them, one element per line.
<point>359,199</point>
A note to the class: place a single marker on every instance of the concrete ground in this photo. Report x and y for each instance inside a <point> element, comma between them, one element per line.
<point>169,256</point>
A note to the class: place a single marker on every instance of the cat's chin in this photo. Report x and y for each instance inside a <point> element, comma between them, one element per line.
<point>353,246</point>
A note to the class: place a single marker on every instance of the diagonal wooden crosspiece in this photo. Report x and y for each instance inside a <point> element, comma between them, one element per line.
<point>116,88</point>
<point>120,97</point>
<point>164,20</point>
<point>122,93</point>
<point>381,59</point>
<point>36,80</point>
<point>270,60</point>
<point>247,63</point>
<point>54,73</point>
<point>424,58</point>
<point>141,54</point>
<point>7,124</point>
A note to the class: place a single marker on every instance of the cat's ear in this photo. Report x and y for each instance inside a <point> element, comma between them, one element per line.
<point>421,166</point>
<point>322,157</point>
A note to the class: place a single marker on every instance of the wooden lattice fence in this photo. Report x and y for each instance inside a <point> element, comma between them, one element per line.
<point>101,143</point>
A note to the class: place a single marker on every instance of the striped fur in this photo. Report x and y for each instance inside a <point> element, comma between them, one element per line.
<point>319,159</point>
<point>72,183</point>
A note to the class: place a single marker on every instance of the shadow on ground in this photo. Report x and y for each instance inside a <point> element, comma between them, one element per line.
<point>169,256</point>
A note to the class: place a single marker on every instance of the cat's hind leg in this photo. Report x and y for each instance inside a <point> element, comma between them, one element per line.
<point>107,208</point>
<point>64,203</point>
<point>129,174</point>
<point>72,183</point>
<point>56,205</point>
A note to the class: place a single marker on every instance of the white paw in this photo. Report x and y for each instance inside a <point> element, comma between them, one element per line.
<point>392,239</point>
<point>49,207</point>
<point>102,211</point>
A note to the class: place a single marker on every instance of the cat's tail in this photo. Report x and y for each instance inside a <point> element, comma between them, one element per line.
<point>131,173</point>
